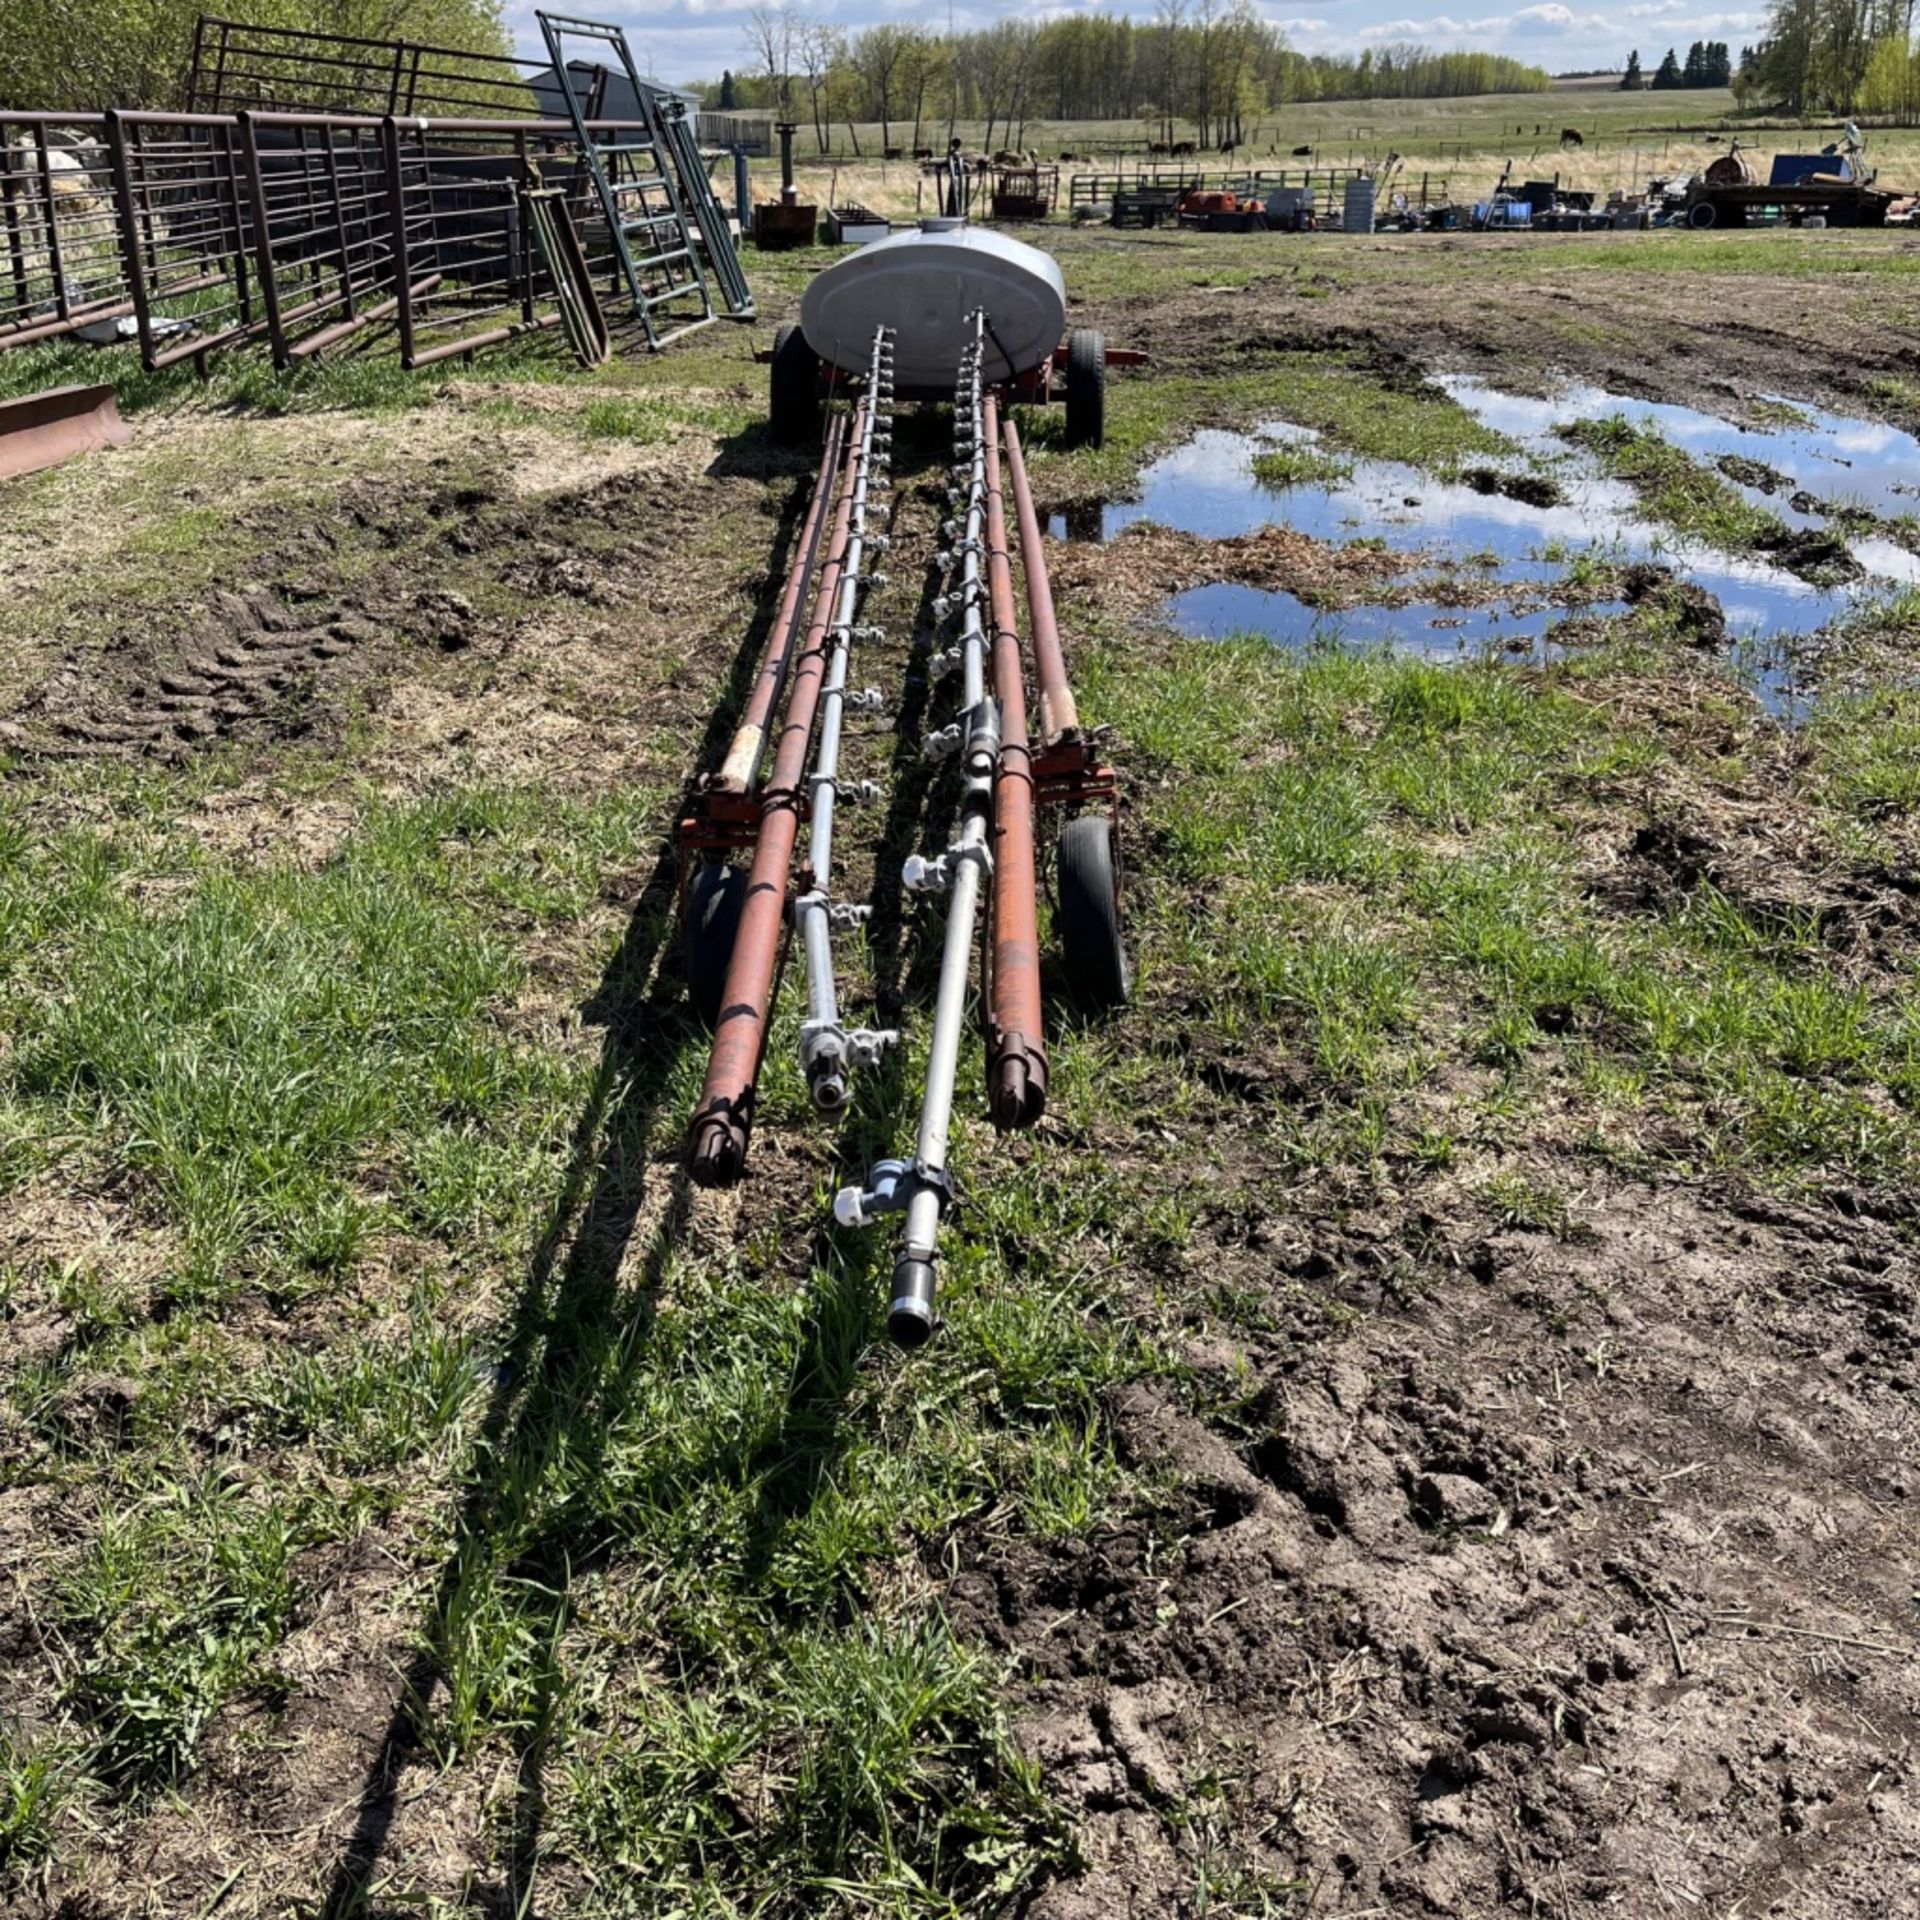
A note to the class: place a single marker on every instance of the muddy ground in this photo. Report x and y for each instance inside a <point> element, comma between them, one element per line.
<point>1518,312</point>
<point>1473,1567</point>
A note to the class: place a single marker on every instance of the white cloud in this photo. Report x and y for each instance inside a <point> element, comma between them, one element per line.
<point>1417,29</point>
<point>1555,23</point>
<point>1548,22</point>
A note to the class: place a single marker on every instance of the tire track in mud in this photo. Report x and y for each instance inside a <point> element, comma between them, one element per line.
<point>251,656</point>
<point>340,604</point>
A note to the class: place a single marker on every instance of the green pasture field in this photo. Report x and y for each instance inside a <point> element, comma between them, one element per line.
<point>415,1497</point>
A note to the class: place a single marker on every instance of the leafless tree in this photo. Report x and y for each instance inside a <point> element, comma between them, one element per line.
<point>770,32</point>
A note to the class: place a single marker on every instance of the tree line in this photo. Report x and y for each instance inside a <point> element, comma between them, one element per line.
<point>1214,65</point>
<point>83,56</point>
<point>1709,64</point>
<point>1839,56</point>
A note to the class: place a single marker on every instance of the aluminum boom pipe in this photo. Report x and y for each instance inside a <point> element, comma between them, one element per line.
<point>923,1188</point>
<point>1059,716</point>
<point>742,764</point>
<point>1016,1044</point>
<point>717,1140</point>
<point>828,1051</point>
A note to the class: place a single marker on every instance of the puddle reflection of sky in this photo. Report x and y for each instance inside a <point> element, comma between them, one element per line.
<point>1208,486</point>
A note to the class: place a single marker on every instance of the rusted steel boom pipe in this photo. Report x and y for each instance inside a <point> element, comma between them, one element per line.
<point>1058,714</point>
<point>717,1140</point>
<point>1016,1044</point>
<point>742,763</point>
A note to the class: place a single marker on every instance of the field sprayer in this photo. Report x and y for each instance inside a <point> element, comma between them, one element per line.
<point>952,315</point>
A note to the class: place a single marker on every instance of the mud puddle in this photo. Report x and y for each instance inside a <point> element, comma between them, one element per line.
<point>1226,608</point>
<point>1805,473</point>
<point>1524,530</point>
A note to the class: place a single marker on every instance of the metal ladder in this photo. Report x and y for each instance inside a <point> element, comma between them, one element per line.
<point>633,180</point>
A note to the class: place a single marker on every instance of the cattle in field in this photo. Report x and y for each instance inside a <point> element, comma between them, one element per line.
<point>1184,149</point>
<point>923,153</point>
<point>1158,150</point>
<point>1228,146</point>
<point>1303,153</point>
<point>1570,137</point>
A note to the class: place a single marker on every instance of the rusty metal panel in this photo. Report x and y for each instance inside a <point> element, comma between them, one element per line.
<point>60,266</point>
<point>43,429</point>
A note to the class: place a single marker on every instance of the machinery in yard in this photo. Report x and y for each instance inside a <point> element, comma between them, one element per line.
<point>974,321</point>
<point>1831,188</point>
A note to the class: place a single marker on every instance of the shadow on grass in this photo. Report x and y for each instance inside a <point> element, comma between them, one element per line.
<point>578,1332</point>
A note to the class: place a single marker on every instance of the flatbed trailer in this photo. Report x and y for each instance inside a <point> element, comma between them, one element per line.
<point>1842,204</point>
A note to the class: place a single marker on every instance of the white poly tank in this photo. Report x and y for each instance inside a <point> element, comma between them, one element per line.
<point>923,285</point>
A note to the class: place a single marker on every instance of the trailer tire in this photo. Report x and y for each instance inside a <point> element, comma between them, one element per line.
<point>1703,213</point>
<point>713,921</point>
<point>1086,387</point>
<point>1093,955</point>
<point>793,401</point>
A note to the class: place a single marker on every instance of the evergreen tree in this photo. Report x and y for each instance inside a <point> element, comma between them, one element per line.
<point>1633,79</point>
<point>1693,74</point>
<point>1669,73</point>
<point>729,96</point>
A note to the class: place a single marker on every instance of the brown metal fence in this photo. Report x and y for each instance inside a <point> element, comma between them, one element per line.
<point>60,266</point>
<point>474,276</point>
<point>186,225</point>
<point>206,231</point>
<point>239,67</point>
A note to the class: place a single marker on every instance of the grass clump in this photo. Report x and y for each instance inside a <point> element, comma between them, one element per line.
<point>623,419</point>
<point>1386,418</point>
<point>1300,463</point>
<point>176,1600</point>
<point>1675,489</point>
<point>896,1777</point>
<point>41,1782</point>
<point>1869,749</point>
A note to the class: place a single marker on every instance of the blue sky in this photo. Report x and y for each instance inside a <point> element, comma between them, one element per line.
<point>680,40</point>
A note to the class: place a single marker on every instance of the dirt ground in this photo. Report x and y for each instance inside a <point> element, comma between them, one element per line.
<point>1522,312</point>
<point>1481,1567</point>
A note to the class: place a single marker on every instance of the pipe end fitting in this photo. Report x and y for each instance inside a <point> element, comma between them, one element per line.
<point>910,1317</point>
<point>1019,1089</point>
<point>717,1152</point>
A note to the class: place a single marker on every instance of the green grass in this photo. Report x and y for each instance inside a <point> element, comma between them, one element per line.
<point>1335,930</point>
<point>178,1600</point>
<point>40,1792</point>
<point>1675,489</point>
<point>688,1473</point>
<point>402,1271</point>
<point>250,1050</point>
<point>1299,463</point>
<point>1339,398</point>
<point>1393,419</point>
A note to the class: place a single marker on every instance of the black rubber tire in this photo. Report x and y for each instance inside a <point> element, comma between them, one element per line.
<point>1092,954</point>
<point>1086,387</point>
<point>1703,213</point>
<point>793,400</point>
<point>714,901</point>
